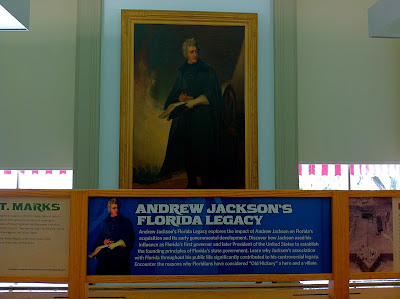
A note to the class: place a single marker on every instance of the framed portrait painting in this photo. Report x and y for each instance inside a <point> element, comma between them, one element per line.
<point>188,100</point>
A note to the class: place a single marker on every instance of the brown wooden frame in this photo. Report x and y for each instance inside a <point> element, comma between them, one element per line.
<point>128,20</point>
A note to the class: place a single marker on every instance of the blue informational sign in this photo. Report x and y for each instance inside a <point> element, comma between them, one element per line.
<point>205,236</point>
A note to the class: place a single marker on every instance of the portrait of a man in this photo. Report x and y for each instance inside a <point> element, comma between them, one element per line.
<point>114,243</point>
<point>188,111</point>
<point>192,137</point>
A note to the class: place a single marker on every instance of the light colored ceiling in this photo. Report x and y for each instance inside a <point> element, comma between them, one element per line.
<point>14,15</point>
<point>384,19</point>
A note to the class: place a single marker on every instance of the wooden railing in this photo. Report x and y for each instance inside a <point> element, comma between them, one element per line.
<point>78,280</point>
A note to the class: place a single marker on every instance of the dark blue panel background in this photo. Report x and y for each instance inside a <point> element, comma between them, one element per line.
<point>308,213</point>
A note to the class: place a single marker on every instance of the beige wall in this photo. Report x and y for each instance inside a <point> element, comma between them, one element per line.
<point>348,85</point>
<point>37,89</point>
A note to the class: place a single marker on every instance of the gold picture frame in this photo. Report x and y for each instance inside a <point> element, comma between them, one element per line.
<point>151,52</point>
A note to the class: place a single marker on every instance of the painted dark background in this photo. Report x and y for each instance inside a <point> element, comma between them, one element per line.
<point>157,56</point>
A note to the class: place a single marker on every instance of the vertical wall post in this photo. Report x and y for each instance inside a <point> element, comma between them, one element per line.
<point>285,68</point>
<point>87,95</point>
<point>77,287</point>
<point>339,285</point>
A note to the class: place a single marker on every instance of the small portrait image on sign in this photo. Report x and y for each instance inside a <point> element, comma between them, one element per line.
<point>206,236</point>
<point>114,242</point>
